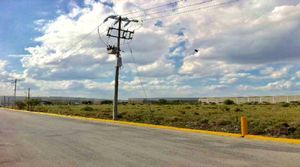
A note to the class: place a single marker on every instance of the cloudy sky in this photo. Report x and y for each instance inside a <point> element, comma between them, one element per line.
<point>245,47</point>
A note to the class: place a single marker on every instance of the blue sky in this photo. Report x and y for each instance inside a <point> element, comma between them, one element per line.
<point>244,48</point>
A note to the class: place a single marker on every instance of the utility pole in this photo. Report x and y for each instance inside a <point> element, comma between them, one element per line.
<point>122,34</point>
<point>15,91</point>
<point>115,110</point>
<point>15,82</point>
<point>28,94</point>
<point>28,98</point>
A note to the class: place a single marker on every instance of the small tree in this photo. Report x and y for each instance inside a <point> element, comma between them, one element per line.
<point>20,105</point>
<point>31,103</point>
<point>228,102</point>
<point>106,102</point>
<point>162,101</point>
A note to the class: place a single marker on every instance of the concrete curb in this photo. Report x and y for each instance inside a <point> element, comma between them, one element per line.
<point>255,137</point>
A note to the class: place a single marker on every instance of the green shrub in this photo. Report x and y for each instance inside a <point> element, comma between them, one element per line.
<point>252,103</point>
<point>162,101</point>
<point>33,102</point>
<point>87,108</point>
<point>182,112</point>
<point>87,102</point>
<point>295,102</point>
<point>224,108</point>
<point>265,103</point>
<point>228,102</point>
<point>222,122</point>
<point>20,105</point>
<point>238,110</point>
<point>284,104</point>
<point>106,102</point>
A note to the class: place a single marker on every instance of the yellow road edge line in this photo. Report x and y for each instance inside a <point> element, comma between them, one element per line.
<point>266,138</point>
<point>255,137</point>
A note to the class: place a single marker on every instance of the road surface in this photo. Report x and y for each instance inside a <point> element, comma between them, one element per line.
<point>31,140</point>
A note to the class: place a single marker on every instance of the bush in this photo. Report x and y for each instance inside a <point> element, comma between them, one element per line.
<point>176,102</point>
<point>20,105</point>
<point>162,101</point>
<point>266,103</point>
<point>222,122</point>
<point>238,110</point>
<point>87,108</point>
<point>182,112</point>
<point>224,108</point>
<point>252,103</point>
<point>284,104</point>
<point>106,102</point>
<point>295,102</point>
<point>228,102</point>
<point>31,103</point>
<point>87,102</point>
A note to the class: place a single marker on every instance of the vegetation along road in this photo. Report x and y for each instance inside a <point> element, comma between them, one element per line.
<point>278,120</point>
<point>31,140</point>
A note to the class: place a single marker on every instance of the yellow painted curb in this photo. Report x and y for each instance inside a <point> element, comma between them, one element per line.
<point>134,124</point>
<point>280,140</point>
<point>255,137</point>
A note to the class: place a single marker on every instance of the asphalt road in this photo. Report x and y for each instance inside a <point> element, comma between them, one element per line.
<point>32,140</point>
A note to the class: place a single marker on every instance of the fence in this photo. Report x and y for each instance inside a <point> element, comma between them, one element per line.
<point>260,99</point>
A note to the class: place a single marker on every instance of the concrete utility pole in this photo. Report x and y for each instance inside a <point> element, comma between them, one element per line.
<point>118,65</point>
<point>15,91</point>
<point>15,82</point>
<point>122,34</point>
<point>28,98</point>
<point>4,101</point>
<point>28,94</point>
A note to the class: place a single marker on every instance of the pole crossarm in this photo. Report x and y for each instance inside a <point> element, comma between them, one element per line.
<point>125,34</point>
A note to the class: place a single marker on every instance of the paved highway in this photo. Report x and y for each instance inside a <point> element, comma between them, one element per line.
<point>30,140</point>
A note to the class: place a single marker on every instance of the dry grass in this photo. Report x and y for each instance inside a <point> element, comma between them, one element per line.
<point>264,119</point>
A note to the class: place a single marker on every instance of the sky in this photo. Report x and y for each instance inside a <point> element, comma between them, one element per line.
<point>244,48</point>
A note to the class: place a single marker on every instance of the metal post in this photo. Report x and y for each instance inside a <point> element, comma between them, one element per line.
<point>115,110</point>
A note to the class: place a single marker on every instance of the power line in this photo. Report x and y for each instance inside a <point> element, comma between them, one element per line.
<point>181,7</point>
<point>193,10</point>
<point>86,35</point>
<point>139,76</point>
<point>99,34</point>
<point>154,7</point>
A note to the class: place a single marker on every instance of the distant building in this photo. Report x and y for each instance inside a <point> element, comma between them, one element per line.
<point>259,99</point>
<point>153,100</point>
<point>9,100</point>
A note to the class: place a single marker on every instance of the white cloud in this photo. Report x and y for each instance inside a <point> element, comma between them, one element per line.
<point>297,74</point>
<point>270,71</point>
<point>234,42</point>
<point>278,85</point>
